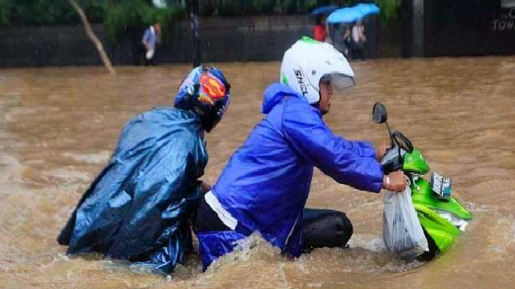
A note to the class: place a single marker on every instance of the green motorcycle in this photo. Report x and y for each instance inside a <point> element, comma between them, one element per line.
<point>442,217</point>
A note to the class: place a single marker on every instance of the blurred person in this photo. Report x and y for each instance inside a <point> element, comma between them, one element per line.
<point>358,40</point>
<point>138,208</point>
<point>266,183</point>
<point>346,39</point>
<point>151,38</point>
<point>321,30</point>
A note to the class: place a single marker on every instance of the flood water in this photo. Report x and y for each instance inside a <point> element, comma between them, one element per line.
<point>59,125</point>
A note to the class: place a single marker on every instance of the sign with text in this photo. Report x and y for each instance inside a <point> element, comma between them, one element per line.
<point>506,20</point>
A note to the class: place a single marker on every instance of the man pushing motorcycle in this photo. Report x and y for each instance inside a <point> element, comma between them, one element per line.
<point>265,185</point>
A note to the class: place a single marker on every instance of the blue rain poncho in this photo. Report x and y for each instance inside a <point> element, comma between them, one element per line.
<point>138,207</point>
<point>266,183</point>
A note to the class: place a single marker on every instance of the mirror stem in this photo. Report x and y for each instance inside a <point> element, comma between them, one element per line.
<point>389,133</point>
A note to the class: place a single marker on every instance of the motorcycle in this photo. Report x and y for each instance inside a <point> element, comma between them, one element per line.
<point>442,217</point>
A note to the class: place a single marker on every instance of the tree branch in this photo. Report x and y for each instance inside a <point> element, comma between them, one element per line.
<point>93,37</point>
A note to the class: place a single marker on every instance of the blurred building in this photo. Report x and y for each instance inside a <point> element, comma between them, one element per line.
<point>458,27</point>
<point>423,28</point>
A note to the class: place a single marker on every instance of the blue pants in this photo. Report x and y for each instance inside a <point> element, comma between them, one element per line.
<point>320,228</point>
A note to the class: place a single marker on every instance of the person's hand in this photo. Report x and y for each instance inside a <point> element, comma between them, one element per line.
<point>394,182</point>
<point>381,151</point>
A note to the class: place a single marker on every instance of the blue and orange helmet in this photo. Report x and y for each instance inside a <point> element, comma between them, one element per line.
<point>206,91</point>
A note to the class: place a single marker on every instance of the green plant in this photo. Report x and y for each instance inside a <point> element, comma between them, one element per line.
<point>119,15</point>
<point>6,7</point>
<point>389,8</point>
<point>256,7</point>
<point>47,12</point>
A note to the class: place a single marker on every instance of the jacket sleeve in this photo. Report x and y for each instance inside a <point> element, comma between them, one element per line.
<point>348,162</point>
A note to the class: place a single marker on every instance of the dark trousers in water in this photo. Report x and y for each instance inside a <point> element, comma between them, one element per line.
<point>143,56</point>
<point>320,228</point>
<point>150,62</point>
<point>358,50</point>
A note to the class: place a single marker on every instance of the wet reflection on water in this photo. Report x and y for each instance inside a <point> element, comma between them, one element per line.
<point>58,127</point>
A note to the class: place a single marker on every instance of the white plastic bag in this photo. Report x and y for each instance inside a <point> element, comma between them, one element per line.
<point>402,232</point>
<point>150,54</point>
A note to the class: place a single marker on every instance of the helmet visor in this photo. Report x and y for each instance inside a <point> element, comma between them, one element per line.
<point>340,81</point>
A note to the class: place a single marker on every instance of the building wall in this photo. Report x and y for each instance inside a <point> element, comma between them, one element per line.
<point>47,46</point>
<point>469,28</point>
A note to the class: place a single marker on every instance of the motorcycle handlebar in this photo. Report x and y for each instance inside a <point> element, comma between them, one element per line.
<point>393,159</point>
<point>402,141</point>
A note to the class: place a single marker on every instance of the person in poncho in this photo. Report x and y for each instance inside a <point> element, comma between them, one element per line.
<point>138,208</point>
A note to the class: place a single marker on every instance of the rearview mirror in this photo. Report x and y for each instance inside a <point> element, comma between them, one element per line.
<point>379,113</point>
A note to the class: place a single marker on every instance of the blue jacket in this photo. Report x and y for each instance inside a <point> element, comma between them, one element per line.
<point>266,183</point>
<point>138,207</point>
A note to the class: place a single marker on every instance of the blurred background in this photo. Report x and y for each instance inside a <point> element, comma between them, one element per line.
<point>50,33</point>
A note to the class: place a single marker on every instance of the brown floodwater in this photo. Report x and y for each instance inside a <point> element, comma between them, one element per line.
<point>59,125</point>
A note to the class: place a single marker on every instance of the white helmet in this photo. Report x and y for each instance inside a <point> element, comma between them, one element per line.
<point>308,61</point>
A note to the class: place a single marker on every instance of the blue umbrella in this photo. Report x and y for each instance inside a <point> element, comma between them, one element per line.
<point>367,9</point>
<point>323,10</point>
<point>345,15</point>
